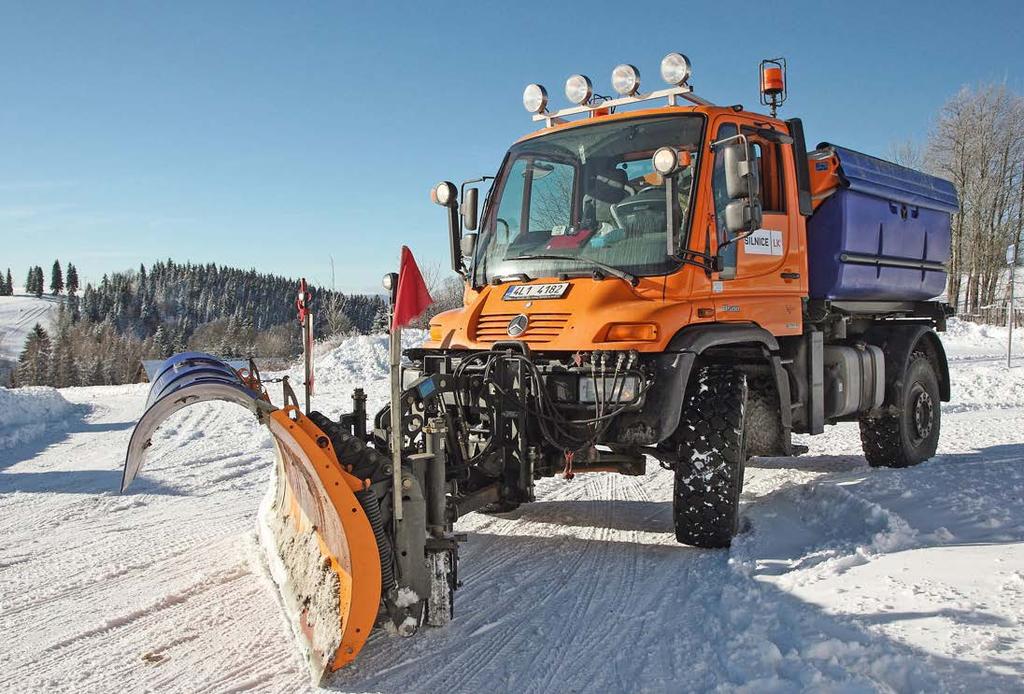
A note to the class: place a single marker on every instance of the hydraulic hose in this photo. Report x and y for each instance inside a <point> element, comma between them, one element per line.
<point>371,507</point>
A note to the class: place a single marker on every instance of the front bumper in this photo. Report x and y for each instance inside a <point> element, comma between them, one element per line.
<point>646,419</point>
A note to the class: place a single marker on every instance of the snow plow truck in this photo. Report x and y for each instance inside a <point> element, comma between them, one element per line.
<point>651,279</point>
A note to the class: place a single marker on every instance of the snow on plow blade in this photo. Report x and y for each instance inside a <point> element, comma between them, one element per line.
<point>319,543</point>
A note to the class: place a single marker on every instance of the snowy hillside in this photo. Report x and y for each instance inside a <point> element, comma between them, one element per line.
<point>844,579</point>
<point>18,315</point>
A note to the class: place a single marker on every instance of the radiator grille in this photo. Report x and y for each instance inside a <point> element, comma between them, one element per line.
<point>543,327</point>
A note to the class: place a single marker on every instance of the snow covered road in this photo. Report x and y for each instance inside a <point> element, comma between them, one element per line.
<point>845,578</point>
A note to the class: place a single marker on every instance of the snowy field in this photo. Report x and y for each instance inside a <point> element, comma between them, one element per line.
<point>844,579</point>
<point>18,315</point>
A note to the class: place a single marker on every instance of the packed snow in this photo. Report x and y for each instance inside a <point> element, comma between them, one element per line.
<point>844,578</point>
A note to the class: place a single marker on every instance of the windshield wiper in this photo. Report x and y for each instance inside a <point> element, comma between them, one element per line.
<point>610,269</point>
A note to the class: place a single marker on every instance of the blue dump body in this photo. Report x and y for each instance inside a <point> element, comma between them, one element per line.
<point>884,234</point>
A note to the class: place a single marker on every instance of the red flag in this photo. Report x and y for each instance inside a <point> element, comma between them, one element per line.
<point>412,297</point>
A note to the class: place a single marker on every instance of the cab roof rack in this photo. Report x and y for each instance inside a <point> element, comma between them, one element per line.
<point>672,94</point>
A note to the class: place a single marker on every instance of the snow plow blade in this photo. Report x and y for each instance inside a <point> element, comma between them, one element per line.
<point>320,544</point>
<point>182,380</point>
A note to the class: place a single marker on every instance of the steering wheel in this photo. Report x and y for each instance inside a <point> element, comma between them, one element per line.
<point>635,204</point>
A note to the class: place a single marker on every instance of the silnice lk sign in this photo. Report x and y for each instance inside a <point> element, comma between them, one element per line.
<point>763,242</point>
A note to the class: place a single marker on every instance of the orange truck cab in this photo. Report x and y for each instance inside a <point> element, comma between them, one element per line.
<point>684,283</point>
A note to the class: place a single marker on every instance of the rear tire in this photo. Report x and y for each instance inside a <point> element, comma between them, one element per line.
<point>911,435</point>
<point>762,421</point>
<point>709,474</point>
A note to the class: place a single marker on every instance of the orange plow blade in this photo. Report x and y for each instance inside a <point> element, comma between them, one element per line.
<point>319,541</point>
<point>320,544</point>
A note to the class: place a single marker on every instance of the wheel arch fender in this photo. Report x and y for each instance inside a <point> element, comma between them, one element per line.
<point>690,342</point>
<point>898,343</point>
<point>699,338</point>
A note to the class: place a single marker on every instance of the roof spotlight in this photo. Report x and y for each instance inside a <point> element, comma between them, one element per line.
<point>675,69</point>
<point>626,79</point>
<point>579,89</point>
<point>535,98</point>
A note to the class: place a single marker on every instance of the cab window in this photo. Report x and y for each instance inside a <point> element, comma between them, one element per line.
<point>769,155</point>
<point>511,208</point>
<point>550,201</point>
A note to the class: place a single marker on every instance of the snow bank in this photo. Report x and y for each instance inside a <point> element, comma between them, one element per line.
<point>985,387</point>
<point>359,361</point>
<point>966,339</point>
<point>26,413</point>
<point>361,357</point>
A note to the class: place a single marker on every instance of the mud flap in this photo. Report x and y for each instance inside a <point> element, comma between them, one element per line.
<point>319,542</point>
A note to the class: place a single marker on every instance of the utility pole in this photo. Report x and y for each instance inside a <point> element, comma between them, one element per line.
<point>1011,259</point>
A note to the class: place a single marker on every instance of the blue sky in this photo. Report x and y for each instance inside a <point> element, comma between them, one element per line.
<point>277,135</point>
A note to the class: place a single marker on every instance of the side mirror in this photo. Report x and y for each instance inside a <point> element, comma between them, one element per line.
<point>742,215</point>
<point>468,244</point>
<point>469,210</point>
<point>742,184</point>
<point>741,170</point>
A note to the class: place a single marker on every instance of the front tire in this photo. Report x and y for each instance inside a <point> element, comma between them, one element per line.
<point>709,474</point>
<point>910,435</point>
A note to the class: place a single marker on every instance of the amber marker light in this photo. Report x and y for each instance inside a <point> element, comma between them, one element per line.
<point>632,332</point>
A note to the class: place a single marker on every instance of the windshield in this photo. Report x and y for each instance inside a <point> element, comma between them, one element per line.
<point>588,194</point>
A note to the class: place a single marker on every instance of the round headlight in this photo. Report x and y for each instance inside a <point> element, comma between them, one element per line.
<point>535,98</point>
<point>443,193</point>
<point>388,282</point>
<point>578,89</point>
<point>665,161</point>
<point>626,80</point>
<point>675,69</point>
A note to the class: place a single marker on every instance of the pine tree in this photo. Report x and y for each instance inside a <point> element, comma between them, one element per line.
<point>38,285</point>
<point>72,279</point>
<point>30,281</point>
<point>92,375</point>
<point>56,278</point>
<point>10,283</point>
<point>63,365</point>
<point>34,362</point>
<point>381,322</point>
<point>74,307</point>
<point>5,286</point>
<point>162,342</point>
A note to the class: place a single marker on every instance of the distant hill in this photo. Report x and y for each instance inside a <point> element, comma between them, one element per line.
<point>99,335</point>
<point>18,314</point>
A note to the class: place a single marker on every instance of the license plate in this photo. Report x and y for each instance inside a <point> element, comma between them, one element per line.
<point>521,292</point>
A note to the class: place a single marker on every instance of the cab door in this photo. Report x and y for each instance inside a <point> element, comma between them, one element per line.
<point>759,281</point>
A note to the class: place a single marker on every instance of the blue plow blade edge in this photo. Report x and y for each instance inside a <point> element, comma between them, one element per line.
<point>182,380</point>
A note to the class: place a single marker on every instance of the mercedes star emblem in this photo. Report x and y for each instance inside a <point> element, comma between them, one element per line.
<point>517,326</point>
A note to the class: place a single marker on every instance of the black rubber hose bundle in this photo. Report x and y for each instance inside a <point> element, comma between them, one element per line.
<point>371,506</point>
<point>366,463</point>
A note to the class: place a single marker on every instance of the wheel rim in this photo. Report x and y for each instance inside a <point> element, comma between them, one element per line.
<point>922,409</point>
